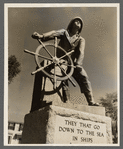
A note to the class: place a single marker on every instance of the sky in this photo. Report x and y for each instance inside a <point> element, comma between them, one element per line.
<point>100,60</point>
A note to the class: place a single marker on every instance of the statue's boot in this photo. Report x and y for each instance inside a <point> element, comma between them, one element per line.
<point>66,95</point>
<point>90,99</point>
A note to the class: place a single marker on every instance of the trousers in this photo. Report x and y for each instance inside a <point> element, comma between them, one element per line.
<point>82,79</point>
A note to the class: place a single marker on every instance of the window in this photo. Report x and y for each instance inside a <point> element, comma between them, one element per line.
<point>11,126</point>
<point>21,127</point>
<point>9,139</point>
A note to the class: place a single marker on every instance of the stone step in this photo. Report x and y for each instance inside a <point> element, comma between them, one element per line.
<point>84,108</point>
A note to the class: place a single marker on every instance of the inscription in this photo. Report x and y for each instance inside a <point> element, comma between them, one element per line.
<point>85,125</point>
<point>86,140</point>
<point>71,130</point>
<point>72,123</point>
<point>66,129</point>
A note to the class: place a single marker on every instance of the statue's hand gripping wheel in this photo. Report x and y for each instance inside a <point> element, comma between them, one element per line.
<point>54,62</point>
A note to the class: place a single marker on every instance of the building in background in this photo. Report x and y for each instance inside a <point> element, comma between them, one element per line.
<point>14,132</point>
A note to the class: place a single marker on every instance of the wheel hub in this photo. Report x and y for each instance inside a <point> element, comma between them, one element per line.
<point>55,60</point>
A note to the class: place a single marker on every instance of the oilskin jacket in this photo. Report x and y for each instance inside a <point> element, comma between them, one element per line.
<point>76,43</point>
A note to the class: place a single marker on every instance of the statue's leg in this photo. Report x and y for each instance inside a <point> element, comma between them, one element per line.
<point>65,91</point>
<point>82,79</point>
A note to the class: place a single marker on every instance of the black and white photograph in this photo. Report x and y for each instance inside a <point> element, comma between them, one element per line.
<point>61,68</point>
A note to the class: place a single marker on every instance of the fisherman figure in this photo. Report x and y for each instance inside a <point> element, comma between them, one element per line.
<point>70,39</point>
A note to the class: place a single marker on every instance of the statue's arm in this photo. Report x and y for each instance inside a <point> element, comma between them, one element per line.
<point>81,49</point>
<point>49,35</point>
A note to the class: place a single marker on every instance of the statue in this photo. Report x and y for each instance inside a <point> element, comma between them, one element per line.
<point>67,56</point>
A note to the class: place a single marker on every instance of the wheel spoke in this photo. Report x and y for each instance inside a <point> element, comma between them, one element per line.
<point>55,81</point>
<point>67,65</point>
<point>33,53</point>
<point>40,69</point>
<point>66,54</point>
<point>55,43</point>
<point>67,75</point>
<point>45,48</point>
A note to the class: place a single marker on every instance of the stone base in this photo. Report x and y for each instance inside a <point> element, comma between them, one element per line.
<point>59,125</point>
<point>84,108</point>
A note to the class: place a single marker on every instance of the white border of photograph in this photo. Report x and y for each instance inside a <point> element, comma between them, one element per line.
<point>27,5</point>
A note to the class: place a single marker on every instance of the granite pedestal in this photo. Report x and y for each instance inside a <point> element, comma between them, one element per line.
<point>64,125</point>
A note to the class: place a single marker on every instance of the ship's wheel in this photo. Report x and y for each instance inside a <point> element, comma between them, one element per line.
<point>53,61</point>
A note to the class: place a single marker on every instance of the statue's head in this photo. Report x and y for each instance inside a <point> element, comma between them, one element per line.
<point>76,21</point>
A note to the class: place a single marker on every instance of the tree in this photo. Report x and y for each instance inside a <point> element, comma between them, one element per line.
<point>13,68</point>
<point>110,104</point>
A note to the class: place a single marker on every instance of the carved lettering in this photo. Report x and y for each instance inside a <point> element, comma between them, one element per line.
<point>72,123</point>
<point>100,134</point>
<point>90,132</point>
<point>96,127</point>
<point>66,129</point>
<point>86,139</point>
<point>85,125</point>
<point>75,138</point>
<point>79,131</point>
